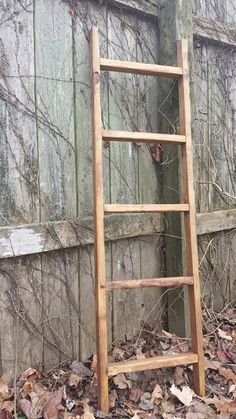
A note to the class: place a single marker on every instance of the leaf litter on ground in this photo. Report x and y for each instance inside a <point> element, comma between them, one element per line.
<point>70,390</point>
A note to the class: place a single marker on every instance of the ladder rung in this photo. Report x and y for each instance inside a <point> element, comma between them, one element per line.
<point>140,68</point>
<point>133,365</point>
<point>143,137</point>
<point>154,282</point>
<point>146,208</point>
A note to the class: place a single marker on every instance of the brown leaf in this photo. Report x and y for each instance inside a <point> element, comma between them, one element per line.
<point>8,405</point>
<point>87,412</point>
<point>135,394</point>
<point>228,374</point>
<point>4,390</point>
<point>112,398</point>
<point>212,365</point>
<point>179,376</point>
<point>120,381</point>
<point>118,354</point>
<point>26,407</point>
<point>4,414</point>
<point>222,404</point>
<point>157,394</point>
<point>74,380</point>
<point>185,395</point>
<point>53,405</point>
<point>30,374</point>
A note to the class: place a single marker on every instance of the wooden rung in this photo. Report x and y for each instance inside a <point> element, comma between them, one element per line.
<point>143,137</point>
<point>140,68</point>
<point>146,208</point>
<point>134,365</point>
<point>154,282</point>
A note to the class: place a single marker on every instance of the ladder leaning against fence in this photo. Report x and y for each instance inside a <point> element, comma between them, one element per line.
<point>181,73</point>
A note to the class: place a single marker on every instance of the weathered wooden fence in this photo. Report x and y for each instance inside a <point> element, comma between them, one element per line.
<point>46,238</point>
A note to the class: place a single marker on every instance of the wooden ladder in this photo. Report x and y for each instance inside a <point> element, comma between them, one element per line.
<point>181,73</point>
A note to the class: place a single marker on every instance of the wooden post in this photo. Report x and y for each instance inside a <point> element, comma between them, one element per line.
<point>190,219</point>
<point>99,246</point>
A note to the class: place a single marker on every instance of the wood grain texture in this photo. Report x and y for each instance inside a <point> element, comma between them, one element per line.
<point>149,9</point>
<point>140,68</point>
<point>190,219</point>
<point>153,363</point>
<point>153,282</point>
<point>142,137</point>
<point>21,299</point>
<point>214,31</point>
<point>56,154</point>
<point>99,246</point>
<point>55,110</point>
<point>146,208</point>
<point>18,147</point>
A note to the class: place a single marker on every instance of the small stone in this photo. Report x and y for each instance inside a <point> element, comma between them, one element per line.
<point>80,369</point>
<point>145,402</point>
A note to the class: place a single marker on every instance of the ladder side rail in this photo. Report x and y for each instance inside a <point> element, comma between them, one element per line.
<point>99,244</point>
<point>190,219</point>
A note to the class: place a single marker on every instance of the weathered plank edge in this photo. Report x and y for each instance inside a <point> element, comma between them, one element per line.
<point>214,31</point>
<point>212,222</point>
<point>44,237</point>
<point>148,8</point>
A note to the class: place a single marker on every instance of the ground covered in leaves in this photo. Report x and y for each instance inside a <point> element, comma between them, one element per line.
<point>71,389</point>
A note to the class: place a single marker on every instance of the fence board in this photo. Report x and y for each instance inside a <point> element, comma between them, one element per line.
<point>18,147</point>
<point>149,159</point>
<point>123,158</point>
<point>55,116</point>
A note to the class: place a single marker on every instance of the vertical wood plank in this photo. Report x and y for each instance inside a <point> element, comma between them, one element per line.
<point>88,13</point>
<point>190,219</point>
<point>201,126</point>
<point>56,146</point>
<point>99,246</point>
<point>218,173</point>
<point>19,187</point>
<point>149,166</point>
<point>122,96</point>
<point>18,147</point>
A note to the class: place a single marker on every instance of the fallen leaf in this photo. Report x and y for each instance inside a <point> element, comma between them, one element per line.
<point>30,374</point>
<point>53,405</point>
<point>118,354</point>
<point>157,394</point>
<point>167,406</point>
<point>232,389</point>
<point>4,414</point>
<point>8,405</point>
<point>212,365</point>
<point>4,390</point>
<point>179,376</point>
<point>120,381</point>
<point>185,395</point>
<point>74,380</point>
<point>87,412</point>
<point>222,404</point>
<point>112,398</point>
<point>135,394</point>
<point>228,374</point>
<point>80,369</point>
<point>223,335</point>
